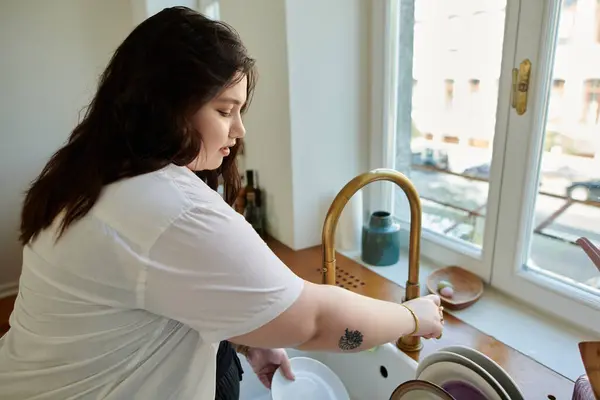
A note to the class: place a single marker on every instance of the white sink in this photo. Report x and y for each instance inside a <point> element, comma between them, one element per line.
<point>363,374</point>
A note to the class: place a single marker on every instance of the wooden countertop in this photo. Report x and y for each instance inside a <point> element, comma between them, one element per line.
<point>535,380</point>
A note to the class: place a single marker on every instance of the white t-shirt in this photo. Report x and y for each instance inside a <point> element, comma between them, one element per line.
<point>133,300</point>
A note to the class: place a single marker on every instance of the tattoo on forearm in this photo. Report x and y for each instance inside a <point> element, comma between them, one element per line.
<point>350,340</point>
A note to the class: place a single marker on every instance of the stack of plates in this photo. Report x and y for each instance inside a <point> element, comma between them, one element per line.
<point>453,372</point>
<point>466,373</point>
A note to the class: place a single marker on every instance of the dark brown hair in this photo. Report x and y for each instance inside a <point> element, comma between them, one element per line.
<point>168,67</point>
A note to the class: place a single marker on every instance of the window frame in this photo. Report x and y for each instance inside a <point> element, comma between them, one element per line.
<point>591,91</point>
<point>498,262</point>
<point>521,178</point>
<point>385,47</point>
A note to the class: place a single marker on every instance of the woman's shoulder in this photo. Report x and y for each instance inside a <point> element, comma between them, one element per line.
<point>142,207</point>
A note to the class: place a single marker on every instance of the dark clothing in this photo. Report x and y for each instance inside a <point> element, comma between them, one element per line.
<point>229,373</point>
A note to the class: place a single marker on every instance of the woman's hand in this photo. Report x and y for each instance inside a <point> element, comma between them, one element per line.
<point>430,315</point>
<point>265,362</point>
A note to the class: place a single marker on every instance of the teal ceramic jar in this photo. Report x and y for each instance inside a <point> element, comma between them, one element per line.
<point>381,240</point>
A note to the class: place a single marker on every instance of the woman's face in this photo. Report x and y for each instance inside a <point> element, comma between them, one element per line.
<point>220,125</point>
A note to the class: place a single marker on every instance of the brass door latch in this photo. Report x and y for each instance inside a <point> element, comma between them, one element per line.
<point>520,86</point>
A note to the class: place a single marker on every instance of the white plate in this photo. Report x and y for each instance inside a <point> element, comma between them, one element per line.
<point>435,357</point>
<point>443,355</point>
<point>443,372</point>
<point>491,367</point>
<point>314,381</point>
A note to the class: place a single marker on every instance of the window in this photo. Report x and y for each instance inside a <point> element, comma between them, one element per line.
<point>567,21</point>
<point>591,102</point>
<point>475,107</point>
<point>474,85</point>
<point>415,97</point>
<point>597,21</point>
<point>556,105</point>
<point>449,87</point>
<point>452,143</point>
<point>558,86</point>
<point>506,195</point>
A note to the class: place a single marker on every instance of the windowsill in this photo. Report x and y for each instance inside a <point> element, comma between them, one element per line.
<point>548,340</point>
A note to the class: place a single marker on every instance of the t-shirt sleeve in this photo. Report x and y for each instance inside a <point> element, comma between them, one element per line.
<point>211,271</point>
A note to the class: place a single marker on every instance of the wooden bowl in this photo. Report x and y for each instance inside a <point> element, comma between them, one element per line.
<point>590,355</point>
<point>468,287</point>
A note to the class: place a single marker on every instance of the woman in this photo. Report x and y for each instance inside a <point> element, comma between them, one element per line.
<point>136,272</point>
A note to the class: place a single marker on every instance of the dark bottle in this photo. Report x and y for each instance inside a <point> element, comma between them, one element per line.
<point>252,187</point>
<point>253,213</point>
<point>259,193</point>
<point>240,200</point>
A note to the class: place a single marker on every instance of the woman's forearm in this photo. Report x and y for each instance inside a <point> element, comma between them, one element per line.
<point>349,322</point>
<point>328,318</point>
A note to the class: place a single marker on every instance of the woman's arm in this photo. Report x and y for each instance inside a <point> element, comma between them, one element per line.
<point>211,271</point>
<point>329,318</point>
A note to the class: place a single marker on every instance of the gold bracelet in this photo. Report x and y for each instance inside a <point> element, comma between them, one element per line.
<point>414,317</point>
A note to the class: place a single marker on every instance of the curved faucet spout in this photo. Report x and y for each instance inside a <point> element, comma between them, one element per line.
<point>333,215</point>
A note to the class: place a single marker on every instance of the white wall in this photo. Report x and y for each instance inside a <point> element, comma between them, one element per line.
<point>262,26</point>
<point>307,131</point>
<point>51,53</point>
<point>328,56</point>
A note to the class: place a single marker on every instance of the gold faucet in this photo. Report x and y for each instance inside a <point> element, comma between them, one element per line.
<point>407,343</point>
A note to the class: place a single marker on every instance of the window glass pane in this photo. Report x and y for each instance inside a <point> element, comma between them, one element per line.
<point>568,201</point>
<point>457,53</point>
